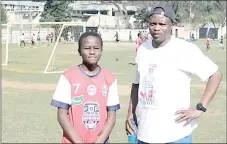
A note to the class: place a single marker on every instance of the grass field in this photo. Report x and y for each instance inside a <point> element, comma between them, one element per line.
<point>27,116</point>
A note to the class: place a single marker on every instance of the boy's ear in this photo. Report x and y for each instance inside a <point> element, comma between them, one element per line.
<point>79,52</point>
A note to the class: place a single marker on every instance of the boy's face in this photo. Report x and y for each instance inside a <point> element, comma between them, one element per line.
<point>91,50</point>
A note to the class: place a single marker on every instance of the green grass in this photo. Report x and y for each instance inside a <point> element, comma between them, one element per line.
<point>28,117</point>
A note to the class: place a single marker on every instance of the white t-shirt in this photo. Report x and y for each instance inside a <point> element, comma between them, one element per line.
<point>69,34</point>
<point>22,37</point>
<point>164,76</point>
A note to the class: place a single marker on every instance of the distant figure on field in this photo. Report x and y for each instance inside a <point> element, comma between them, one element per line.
<point>22,40</point>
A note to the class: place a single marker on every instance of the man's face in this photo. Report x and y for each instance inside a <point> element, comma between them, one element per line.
<point>91,49</point>
<point>160,27</point>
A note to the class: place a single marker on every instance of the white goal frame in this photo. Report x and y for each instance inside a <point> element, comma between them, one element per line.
<point>7,45</point>
<point>55,46</point>
<point>56,42</point>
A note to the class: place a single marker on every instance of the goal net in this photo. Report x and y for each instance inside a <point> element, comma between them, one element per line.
<point>40,47</point>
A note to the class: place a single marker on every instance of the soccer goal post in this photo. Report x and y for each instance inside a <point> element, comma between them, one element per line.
<point>71,31</point>
<point>5,43</point>
<point>32,45</point>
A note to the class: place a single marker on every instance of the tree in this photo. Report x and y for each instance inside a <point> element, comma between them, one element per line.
<point>56,11</point>
<point>220,9</point>
<point>122,10</point>
<point>197,13</point>
<point>208,12</point>
<point>141,18</point>
<point>178,8</point>
<point>4,18</point>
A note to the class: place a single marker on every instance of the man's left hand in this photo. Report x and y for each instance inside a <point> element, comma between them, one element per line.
<point>187,115</point>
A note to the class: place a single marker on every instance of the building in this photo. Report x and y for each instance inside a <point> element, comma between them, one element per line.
<point>103,14</point>
<point>90,8</point>
<point>23,11</point>
<point>30,11</point>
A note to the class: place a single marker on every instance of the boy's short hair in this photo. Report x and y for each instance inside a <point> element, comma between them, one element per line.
<point>86,34</point>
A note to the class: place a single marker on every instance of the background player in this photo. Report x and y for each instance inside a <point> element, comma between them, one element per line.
<point>22,40</point>
<point>220,44</point>
<point>87,96</point>
<point>208,44</point>
<point>139,40</point>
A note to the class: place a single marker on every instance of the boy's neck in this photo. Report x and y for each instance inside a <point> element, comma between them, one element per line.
<point>90,69</point>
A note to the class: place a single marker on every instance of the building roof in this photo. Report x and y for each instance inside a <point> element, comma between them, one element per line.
<point>91,5</point>
<point>28,3</point>
<point>104,21</point>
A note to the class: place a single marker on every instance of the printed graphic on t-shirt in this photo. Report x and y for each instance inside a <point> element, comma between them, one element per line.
<point>91,90</point>
<point>147,91</point>
<point>76,88</point>
<point>77,100</point>
<point>104,90</point>
<point>91,115</point>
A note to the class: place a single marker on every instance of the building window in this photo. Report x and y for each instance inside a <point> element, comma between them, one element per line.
<point>90,12</point>
<point>130,12</point>
<point>103,12</point>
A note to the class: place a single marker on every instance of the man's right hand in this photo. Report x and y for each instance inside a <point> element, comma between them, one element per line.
<point>128,125</point>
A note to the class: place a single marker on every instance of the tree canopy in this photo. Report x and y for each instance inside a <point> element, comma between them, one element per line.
<point>4,17</point>
<point>56,11</point>
<point>193,12</point>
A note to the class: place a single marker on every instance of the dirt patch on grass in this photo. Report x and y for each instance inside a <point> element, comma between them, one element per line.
<point>123,89</point>
<point>30,86</point>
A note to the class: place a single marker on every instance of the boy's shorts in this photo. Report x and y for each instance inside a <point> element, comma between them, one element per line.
<point>187,139</point>
<point>220,45</point>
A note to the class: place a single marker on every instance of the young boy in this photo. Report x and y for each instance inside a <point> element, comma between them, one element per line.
<point>87,96</point>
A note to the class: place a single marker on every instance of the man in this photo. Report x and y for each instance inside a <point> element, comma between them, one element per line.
<point>116,36</point>
<point>38,38</point>
<point>51,37</point>
<point>22,40</point>
<point>130,36</point>
<point>208,44</point>
<point>69,34</point>
<point>220,44</point>
<point>32,40</point>
<point>160,94</point>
